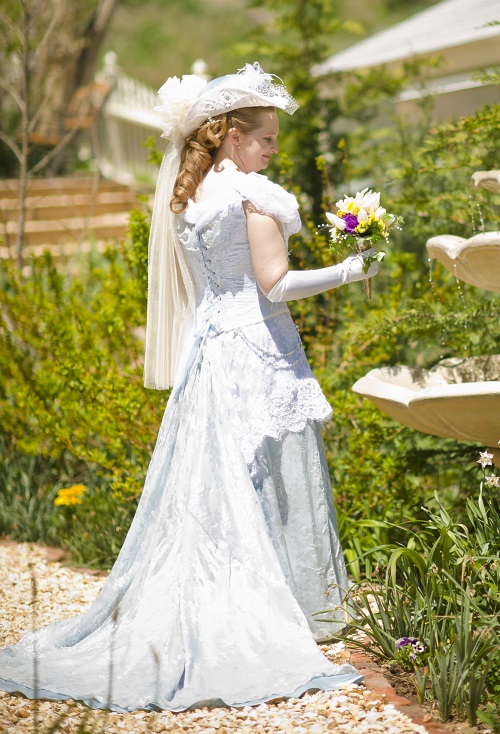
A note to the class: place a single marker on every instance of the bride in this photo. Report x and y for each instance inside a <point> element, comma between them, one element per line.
<point>234,546</point>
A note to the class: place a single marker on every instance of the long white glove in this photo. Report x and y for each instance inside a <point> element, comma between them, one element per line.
<point>302,283</point>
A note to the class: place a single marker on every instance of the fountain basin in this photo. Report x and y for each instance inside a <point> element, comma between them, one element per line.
<point>489,180</point>
<point>452,400</point>
<point>475,260</point>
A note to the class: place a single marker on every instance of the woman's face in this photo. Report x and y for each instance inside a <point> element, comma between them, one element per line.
<point>256,148</point>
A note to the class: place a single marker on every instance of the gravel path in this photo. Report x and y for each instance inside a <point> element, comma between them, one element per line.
<point>64,592</point>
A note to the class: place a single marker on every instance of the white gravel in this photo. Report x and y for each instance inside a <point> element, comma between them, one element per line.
<point>65,592</point>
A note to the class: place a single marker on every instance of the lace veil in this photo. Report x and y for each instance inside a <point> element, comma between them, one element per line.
<point>184,105</point>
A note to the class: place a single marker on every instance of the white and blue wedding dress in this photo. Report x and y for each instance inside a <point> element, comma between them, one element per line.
<point>234,545</point>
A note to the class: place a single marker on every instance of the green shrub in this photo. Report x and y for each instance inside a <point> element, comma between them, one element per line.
<point>71,363</point>
<point>28,487</point>
<point>73,408</point>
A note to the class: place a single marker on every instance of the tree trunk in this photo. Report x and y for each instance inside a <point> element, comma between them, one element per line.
<point>68,60</point>
<point>94,35</point>
<point>25,118</point>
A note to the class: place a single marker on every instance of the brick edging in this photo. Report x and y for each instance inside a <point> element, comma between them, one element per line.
<point>377,683</point>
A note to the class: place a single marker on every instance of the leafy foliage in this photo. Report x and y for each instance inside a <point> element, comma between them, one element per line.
<point>442,586</point>
<point>425,173</point>
<point>293,37</point>
<point>71,361</point>
<point>71,385</point>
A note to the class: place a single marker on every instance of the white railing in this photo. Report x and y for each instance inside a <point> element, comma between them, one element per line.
<point>125,122</point>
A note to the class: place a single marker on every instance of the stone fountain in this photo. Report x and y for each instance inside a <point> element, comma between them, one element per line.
<point>458,398</point>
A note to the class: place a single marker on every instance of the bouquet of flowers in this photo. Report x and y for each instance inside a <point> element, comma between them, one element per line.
<point>361,223</point>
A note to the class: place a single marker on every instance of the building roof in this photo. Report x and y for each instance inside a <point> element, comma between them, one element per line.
<point>448,24</point>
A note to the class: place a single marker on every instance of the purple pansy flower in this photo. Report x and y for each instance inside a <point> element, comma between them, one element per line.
<point>413,642</point>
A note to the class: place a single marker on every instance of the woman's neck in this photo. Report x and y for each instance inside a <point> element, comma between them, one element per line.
<point>225,159</point>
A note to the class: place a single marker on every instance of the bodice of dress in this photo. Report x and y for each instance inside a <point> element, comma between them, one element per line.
<point>214,235</point>
<point>250,344</point>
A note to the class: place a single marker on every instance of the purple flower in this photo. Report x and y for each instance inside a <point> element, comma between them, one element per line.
<point>351,222</point>
<point>413,656</point>
<point>412,641</point>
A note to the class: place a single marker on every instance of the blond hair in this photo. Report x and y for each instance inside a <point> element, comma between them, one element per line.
<point>199,150</point>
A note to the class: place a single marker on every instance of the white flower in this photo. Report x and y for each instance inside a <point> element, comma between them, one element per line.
<point>484,459</point>
<point>346,204</point>
<point>368,199</point>
<point>362,215</point>
<point>379,213</point>
<point>337,222</point>
<point>493,480</point>
<point>365,199</point>
<point>176,97</point>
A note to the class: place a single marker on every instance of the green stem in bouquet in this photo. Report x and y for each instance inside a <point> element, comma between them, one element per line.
<point>361,246</point>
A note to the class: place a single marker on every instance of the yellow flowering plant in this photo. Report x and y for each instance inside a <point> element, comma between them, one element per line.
<point>68,496</point>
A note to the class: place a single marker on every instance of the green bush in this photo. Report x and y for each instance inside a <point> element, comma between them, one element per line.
<point>73,408</point>
<point>71,362</point>
<point>92,529</point>
<point>28,487</point>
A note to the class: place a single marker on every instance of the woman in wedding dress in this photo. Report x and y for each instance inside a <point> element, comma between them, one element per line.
<point>234,545</point>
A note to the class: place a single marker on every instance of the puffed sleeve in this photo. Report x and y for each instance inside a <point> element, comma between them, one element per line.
<point>270,198</point>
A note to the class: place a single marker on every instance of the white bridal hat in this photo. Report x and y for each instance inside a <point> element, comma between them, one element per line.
<point>250,87</point>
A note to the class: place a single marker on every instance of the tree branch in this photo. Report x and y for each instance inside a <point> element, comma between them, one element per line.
<point>13,93</point>
<point>94,35</point>
<point>12,145</point>
<point>52,153</point>
<point>34,120</point>
<point>54,20</point>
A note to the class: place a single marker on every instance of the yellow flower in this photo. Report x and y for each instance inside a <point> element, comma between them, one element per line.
<point>70,495</point>
<point>352,207</point>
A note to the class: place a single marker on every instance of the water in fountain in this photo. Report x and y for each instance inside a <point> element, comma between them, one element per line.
<point>437,300</point>
<point>475,208</point>
<point>466,353</point>
<point>478,226</point>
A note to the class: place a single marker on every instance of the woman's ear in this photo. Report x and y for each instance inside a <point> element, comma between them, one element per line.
<point>234,136</point>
